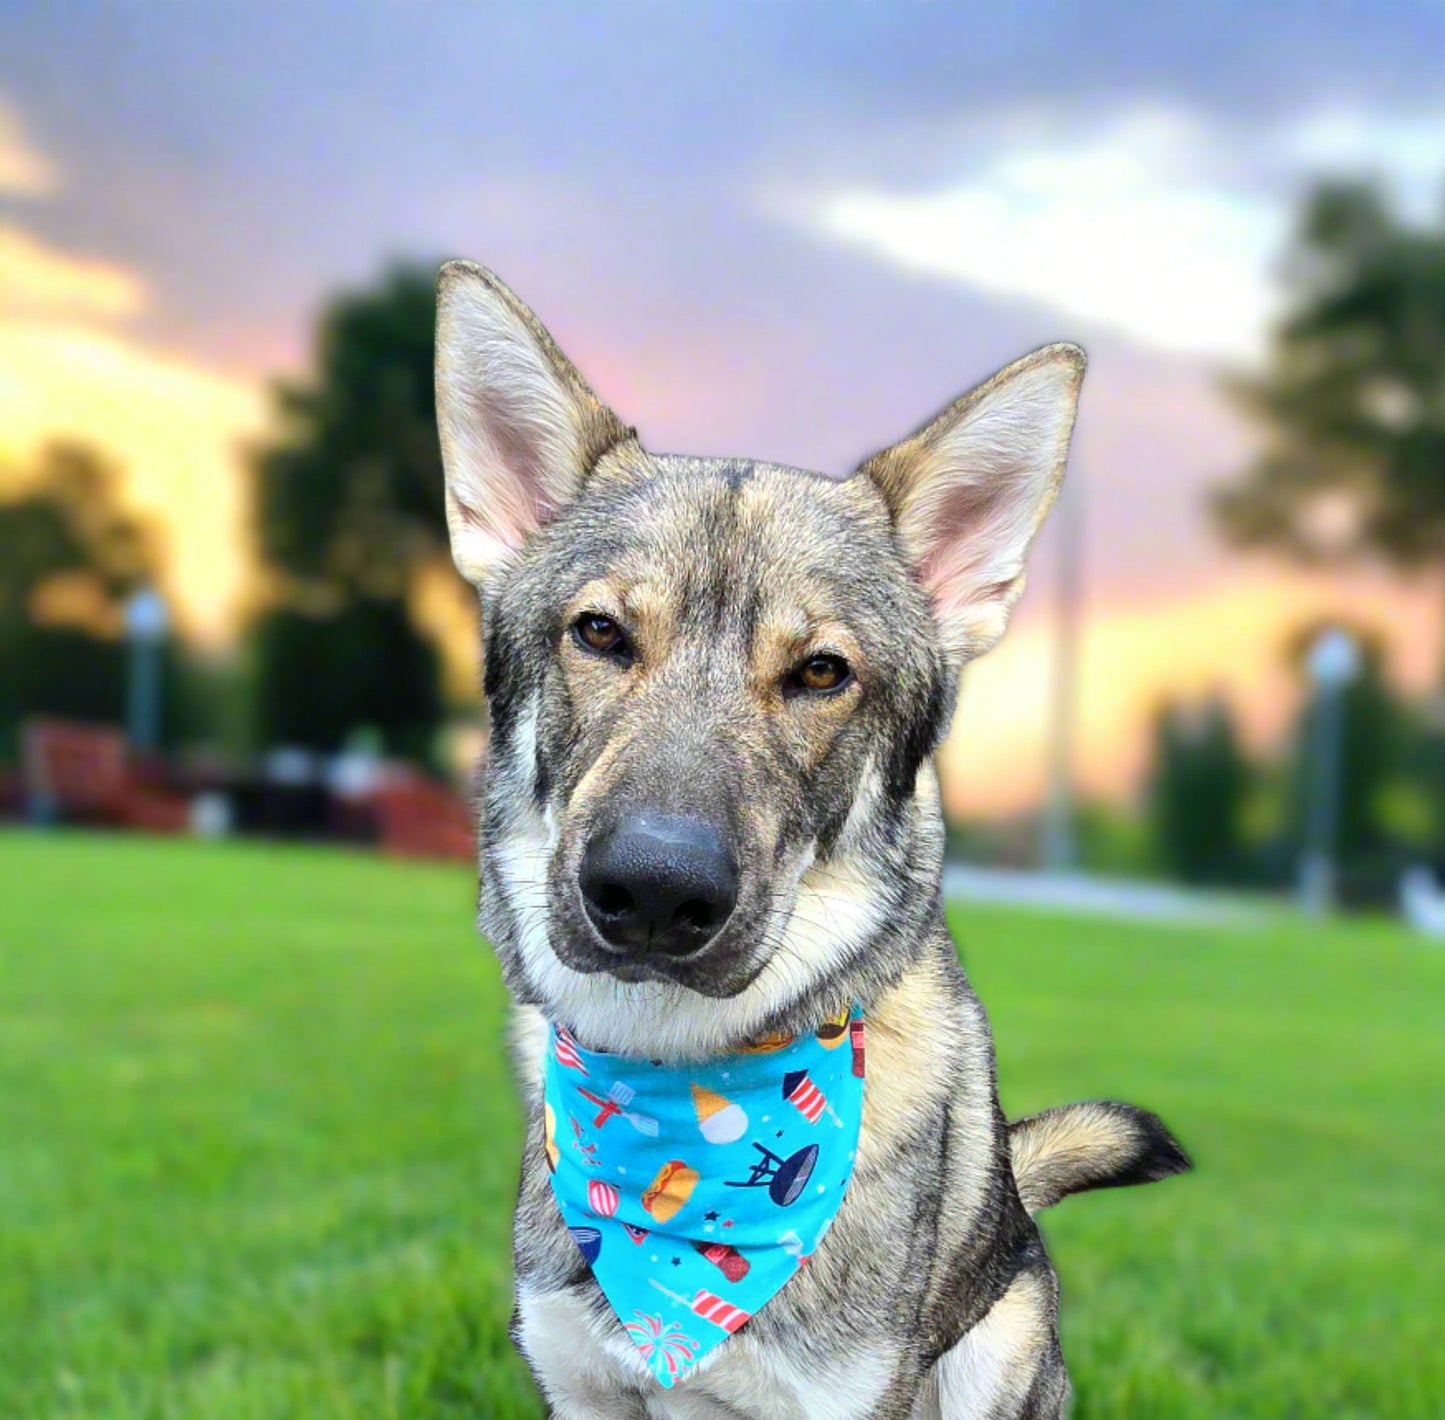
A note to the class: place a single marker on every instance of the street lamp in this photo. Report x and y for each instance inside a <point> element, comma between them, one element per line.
<point>147,621</point>
<point>1333,662</point>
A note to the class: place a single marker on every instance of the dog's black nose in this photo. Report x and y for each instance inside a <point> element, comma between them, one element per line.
<point>659,883</point>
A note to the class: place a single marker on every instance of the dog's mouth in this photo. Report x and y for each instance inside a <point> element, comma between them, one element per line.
<point>722,966</point>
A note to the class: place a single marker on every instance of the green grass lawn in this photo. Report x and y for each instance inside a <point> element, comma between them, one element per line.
<point>258,1146</point>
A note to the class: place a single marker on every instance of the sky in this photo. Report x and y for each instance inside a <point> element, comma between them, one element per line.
<point>787,230</point>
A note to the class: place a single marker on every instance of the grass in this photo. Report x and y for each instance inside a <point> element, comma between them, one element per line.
<point>258,1147</point>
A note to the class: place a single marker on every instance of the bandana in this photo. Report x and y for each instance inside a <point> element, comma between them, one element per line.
<point>694,1192</point>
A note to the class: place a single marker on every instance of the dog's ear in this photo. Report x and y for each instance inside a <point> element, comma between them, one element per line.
<point>969,490</point>
<point>519,428</point>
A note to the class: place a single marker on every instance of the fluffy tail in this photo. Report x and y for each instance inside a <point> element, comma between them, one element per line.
<point>1095,1145</point>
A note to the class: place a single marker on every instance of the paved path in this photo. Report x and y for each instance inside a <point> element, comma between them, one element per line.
<point>1103,897</point>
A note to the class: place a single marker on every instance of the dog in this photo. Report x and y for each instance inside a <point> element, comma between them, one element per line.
<point>708,812</point>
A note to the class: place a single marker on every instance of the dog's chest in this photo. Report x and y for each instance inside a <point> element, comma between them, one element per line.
<point>587,1367</point>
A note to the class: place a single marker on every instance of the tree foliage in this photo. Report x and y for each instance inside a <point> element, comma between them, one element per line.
<point>70,555</point>
<point>1201,778</point>
<point>349,496</point>
<point>1353,399</point>
<point>66,525</point>
<point>364,665</point>
<point>349,513</point>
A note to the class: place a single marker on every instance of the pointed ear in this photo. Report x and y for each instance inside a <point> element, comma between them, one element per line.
<point>519,428</point>
<point>969,491</point>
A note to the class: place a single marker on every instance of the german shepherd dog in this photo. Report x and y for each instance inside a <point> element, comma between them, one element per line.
<point>709,811</point>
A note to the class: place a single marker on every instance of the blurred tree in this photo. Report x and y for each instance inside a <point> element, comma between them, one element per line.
<point>70,555</point>
<point>364,665</point>
<point>1353,400</point>
<point>349,513</point>
<point>1201,780</point>
<point>68,551</point>
<point>350,494</point>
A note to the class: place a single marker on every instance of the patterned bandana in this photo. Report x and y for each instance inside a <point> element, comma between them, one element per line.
<point>696,1192</point>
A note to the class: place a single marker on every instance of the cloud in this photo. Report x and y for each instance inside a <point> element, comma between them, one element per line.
<point>39,279</point>
<point>1157,224</point>
<point>1406,150</point>
<point>24,170</point>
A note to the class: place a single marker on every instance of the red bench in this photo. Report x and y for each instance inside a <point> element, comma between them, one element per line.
<point>417,817</point>
<point>81,773</point>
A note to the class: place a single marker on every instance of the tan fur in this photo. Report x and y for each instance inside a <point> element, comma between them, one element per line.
<point>908,1065</point>
<point>993,1368</point>
<point>1090,1145</point>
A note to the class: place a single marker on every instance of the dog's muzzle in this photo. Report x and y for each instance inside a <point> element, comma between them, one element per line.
<point>658,885</point>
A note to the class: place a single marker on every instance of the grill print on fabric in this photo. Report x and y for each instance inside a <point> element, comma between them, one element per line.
<point>695,1192</point>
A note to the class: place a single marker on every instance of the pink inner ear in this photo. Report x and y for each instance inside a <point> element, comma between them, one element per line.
<point>511,513</point>
<point>503,523</point>
<point>518,498</point>
<point>961,536</point>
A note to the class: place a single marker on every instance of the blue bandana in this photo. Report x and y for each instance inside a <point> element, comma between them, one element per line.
<point>696,1191</point>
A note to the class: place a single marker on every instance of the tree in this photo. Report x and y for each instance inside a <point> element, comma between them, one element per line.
<point>68,551</point>
<point>1201,779</point>
<point>363,666</point>
<point>1353,400</point>
<point>70,556</point>
<point>349,513</point>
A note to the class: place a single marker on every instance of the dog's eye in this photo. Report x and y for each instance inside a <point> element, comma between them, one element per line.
<point>821,675</point>
<point>601,635</point>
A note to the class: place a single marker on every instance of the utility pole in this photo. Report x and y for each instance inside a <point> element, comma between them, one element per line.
<point>1059,846</point>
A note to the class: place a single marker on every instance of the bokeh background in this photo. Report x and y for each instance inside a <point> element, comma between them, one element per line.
<point>256,1138</point>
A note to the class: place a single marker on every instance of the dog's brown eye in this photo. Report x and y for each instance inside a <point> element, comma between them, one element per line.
<point>821,674</point>
<point>600,634</point>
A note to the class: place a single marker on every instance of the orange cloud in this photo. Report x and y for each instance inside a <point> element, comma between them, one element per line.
<point>36,278</point>
<point>1228,637</point>
<point>175,428</point>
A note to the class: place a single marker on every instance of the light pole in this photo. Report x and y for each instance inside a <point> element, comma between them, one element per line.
<point>1333,662</point>
<point>147,621</point>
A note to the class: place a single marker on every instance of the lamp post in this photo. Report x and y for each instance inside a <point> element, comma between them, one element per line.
<point>147,621</point>
<point>1333,662</point>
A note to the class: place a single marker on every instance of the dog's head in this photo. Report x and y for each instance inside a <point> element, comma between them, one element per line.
<point>716,685</point>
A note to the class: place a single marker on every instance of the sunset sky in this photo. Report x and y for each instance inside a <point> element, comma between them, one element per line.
<point>790,231</point>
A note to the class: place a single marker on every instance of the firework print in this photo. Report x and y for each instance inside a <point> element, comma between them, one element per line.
<point>664,1346</point>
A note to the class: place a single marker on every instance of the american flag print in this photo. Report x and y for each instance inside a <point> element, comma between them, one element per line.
<point>567,1051</point>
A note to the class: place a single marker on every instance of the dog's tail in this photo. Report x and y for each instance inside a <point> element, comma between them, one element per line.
<point>1095,1145</point>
